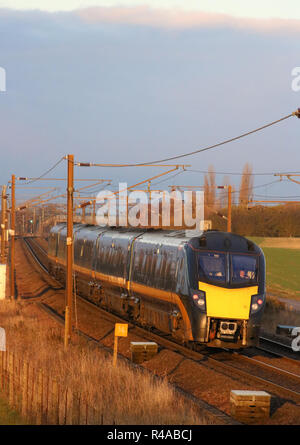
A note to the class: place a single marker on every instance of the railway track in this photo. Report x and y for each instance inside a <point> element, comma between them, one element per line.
<point>277,347</point>
<point>239,367</point>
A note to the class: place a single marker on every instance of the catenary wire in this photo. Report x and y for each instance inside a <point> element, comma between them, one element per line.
<point>296,113</point>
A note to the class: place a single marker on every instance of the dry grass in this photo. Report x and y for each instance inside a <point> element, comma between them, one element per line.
<point>126,395</point>
<point>276,313</point>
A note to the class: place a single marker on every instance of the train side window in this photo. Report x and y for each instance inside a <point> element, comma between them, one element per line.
<point>88,248</point>
<point>162,271</point>
<point>172,271</point>
<point>141,262</point>
<point>167,275</point>
<point>119,261</point>
<point>154,261</point>
<point>181,275</point>
<point>102,257</point>
<point>109,255</point>
<point>176,269</point>
<point>112,259</point>
<point>148,265</point>
<point>143,265</point>
<point>136,270</point>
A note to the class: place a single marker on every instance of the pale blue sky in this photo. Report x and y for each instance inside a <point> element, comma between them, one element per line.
<point>255,8</point>
<point>119,92</point>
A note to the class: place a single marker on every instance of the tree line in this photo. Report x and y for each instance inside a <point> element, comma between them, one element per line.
<point>273,221</point>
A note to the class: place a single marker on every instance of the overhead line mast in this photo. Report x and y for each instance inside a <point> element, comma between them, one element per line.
<point>3,223</point>
<point>69,248</point>
<point>12,237</point>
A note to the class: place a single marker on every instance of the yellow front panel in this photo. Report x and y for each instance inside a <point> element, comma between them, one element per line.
<point>228,303</point>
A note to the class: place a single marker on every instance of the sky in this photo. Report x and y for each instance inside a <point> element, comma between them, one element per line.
<point>133,82</point>
<point>255,9</point>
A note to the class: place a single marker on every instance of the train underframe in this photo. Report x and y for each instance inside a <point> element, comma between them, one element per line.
<point>163,315</point>
<point>227,333</point>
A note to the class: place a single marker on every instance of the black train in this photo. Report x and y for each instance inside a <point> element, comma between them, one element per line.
<point>207,289</point>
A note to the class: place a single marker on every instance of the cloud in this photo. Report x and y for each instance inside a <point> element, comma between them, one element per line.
<point>179,19</point>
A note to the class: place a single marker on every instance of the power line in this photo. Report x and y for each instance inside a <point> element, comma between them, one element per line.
<point>251,188</point>
<point>167,179</point>
<point>44,174</point>
<point>276,196</point>
<point>241,174</point>
<point>90,164</point>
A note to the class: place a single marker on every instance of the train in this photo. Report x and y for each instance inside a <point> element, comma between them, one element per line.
<point>207,289</point>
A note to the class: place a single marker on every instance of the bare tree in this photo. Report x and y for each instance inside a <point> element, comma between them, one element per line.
<point>212,186</point>
<point>233,195</point>
<point>206,196</point>
<point>210,191</point>
<point>223,196</point>
<point>246,187</point>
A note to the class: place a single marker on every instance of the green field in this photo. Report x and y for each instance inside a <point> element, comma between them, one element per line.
<point>283,271</point>
<point>283,267</point>
<point>256,239</point>
<point>8,416</point>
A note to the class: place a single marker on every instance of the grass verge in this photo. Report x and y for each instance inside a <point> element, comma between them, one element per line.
<point>125,394</point>
<point>9,416</point>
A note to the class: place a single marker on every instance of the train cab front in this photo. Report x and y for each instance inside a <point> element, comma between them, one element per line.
<point>227,293</point>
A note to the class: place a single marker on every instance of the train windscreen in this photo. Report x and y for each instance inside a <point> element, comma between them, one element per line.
<point>227,268</point>
<point>212,267</point>
<point>243,269</point>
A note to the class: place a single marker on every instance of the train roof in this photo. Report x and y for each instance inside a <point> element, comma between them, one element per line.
<point>205,240</point>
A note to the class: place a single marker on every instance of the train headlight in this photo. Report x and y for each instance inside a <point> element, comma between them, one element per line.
<point>199,299</point>
<point>256,303</point>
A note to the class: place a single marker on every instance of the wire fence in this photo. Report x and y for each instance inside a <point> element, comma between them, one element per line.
<point>41,399</point>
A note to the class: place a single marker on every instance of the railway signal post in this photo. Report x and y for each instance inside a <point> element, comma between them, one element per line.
<point>69,251</point>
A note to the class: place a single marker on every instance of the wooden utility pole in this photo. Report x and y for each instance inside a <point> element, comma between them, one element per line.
<point>229,210</point>
<point>12,237</point>
<point>69,250</point>
<point>3,220</point>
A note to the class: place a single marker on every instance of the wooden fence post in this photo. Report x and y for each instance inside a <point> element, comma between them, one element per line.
<point>11,379</point>
<point>68,407</point>
<point>55,403</point>
<point>39,398</point>
<point>76,409</point>
<point>19,386</point>
<point>24,408</point>
<point>5,373</point>
<point>32,396</point>
<point>1,368</point>
<point>46,399</point>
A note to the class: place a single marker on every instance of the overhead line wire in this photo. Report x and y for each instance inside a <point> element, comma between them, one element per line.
<point>89,164</point>
<point>44,174</point>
